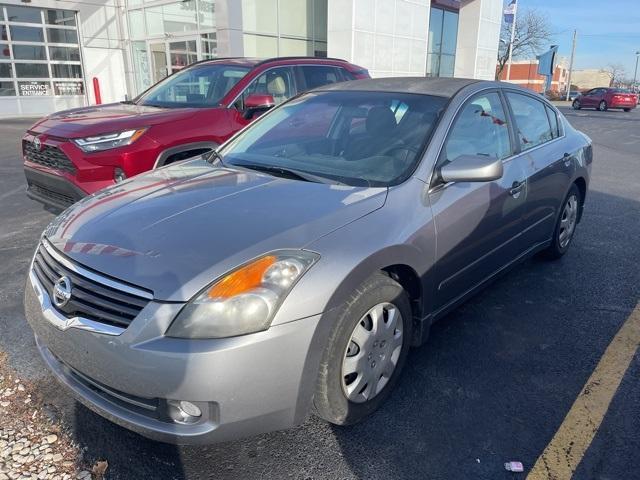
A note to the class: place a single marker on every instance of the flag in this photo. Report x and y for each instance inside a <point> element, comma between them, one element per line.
<point>510,11</point>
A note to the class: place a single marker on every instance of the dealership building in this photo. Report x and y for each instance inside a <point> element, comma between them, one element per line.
<point>54,53</point>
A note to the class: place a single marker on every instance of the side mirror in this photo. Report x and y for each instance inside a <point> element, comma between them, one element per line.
<point>472,168</point>
<point>257,103</point>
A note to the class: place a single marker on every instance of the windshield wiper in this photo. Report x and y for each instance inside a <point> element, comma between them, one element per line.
<point>214,155</point>
<point>285,172</point>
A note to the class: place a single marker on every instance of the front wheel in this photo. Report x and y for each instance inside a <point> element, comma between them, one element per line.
<point>602,106</point>
<point>566,224</point>
<point>576,105</point>
<point>366,351</point>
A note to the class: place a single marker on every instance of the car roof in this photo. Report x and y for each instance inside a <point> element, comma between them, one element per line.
<point>253,62</point>
<point>436,86</point>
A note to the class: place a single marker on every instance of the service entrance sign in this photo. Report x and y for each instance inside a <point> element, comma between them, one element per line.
<point>34,89</point>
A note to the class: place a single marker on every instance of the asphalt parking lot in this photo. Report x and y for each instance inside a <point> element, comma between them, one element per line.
<point>494,383</point>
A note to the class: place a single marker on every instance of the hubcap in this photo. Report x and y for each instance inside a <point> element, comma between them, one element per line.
<point>372,353</point>
<point>568,221</point>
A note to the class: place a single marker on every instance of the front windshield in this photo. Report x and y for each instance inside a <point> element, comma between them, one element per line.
<point>355,138</point>
<point>198,86</point>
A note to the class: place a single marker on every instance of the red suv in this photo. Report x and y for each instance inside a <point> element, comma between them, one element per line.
<point>605,98</point>
<point>73,153</point>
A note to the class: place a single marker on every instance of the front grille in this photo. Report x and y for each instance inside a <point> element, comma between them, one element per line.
<point>49,156</point>
<point>60,198</point>
<point>90,299</point>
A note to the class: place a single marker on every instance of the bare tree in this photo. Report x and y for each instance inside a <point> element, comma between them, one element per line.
<point>532,34</point>
<point>616,73</point>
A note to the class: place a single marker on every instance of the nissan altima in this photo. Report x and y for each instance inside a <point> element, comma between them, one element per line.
<point>290,271</point>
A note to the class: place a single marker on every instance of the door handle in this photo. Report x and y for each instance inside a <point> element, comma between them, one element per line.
<point>516,188</point>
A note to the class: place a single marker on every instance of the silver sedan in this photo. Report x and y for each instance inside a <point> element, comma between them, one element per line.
<point>291,271</point>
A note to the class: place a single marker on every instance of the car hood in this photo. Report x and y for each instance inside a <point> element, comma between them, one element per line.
<point>95,120</point>
<point>176,229</point>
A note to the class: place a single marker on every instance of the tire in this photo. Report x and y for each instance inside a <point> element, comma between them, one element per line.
<point>559,243</point>
<point>602,106</point>
<point>576,105</point>
<point>331,400</point>
<point>627,109</point>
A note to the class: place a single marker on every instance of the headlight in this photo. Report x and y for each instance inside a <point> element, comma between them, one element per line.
<point>244,300</point>
<point>109,140</point>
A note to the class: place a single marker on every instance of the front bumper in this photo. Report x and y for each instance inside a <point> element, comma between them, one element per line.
<point>51,190</point>
<point>243,385</point>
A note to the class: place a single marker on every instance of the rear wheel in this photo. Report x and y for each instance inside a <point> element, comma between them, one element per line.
<point>366,352</point>
<point>576,104</point>
<point>627,109</point>
<point>602,106</point>
<point>566,224</point>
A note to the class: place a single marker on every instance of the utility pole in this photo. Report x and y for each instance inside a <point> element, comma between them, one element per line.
<point>573,52</point>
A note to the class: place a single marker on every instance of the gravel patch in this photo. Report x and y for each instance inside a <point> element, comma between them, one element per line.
<point>32,446</point>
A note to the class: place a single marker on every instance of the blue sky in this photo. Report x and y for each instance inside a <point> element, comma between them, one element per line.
<point>608,30</point>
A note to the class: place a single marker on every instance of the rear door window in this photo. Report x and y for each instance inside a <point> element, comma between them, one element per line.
<point>318,75</point>
<point>532,123</point>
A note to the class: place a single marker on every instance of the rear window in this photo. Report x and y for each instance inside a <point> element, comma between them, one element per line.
<point>620,90</point>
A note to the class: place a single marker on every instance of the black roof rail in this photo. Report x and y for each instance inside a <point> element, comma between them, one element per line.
<point>299,57</point>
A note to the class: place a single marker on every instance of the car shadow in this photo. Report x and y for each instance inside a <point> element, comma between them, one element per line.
<point>492,384</point>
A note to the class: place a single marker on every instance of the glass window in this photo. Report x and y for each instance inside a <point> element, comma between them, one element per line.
<point>260,16</point>
<point>58,35</point>
<point>67,54</point>
<point>66,71</point>
<point>23,14</point>
<point>60,17</point>
<point>68,88</point>
<point>206,14</point>
<point>5,70</point>
<point>531,120</point>
<point>34,89</point>
<point>170,18</point>
<point>26,34</point>
<point>141,62</point>
<point>435,30</point>
<point>7,89</point>
<point>553,118</point>
<point>29,52</point>
<point>182,54</point>
<point>209,45</point>
<point>449,33</point>
<point>31,70</point>
<point>316,76</point>
<point>198,86</point>
<point>308,135</point>
<point>136,23</point>
<point>479,129</point>
<point>442,42</point>
<point>277,82</point>
<point>4,51</point>
<point>260,46</point>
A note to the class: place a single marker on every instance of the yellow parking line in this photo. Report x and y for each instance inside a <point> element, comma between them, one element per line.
<point>566,449</point>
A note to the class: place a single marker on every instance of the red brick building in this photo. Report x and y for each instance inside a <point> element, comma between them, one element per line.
<point>525,74</point>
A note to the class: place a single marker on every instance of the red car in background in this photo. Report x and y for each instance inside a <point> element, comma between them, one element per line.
<point>76,152</point>
<point>605,98</point>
